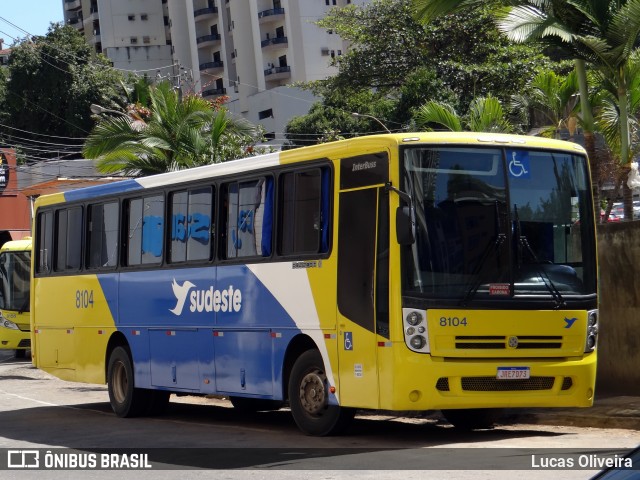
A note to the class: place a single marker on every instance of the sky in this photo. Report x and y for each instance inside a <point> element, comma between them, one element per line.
<point>32,16</point>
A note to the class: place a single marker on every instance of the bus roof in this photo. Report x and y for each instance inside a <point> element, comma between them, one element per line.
<point>325,150</point>
<point>17,245</point>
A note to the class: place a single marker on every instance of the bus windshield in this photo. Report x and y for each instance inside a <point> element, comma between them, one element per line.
<point>14,280</point>
<point>494,223</point>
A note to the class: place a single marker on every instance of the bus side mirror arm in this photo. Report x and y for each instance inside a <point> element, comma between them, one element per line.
<point>405,218</point>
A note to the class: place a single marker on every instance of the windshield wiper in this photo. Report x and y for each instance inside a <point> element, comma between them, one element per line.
<point>495,246</point>
<point>24,306</point>
<point>523,244</point>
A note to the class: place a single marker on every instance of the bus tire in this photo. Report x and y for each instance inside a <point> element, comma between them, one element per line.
<point>21,353</point>
<point>126,400</point>
<point>309,398</point>
<point>248,405</point>
<point>473,418</point>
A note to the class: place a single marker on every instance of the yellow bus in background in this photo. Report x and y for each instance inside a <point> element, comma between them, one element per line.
<point>413,271</point>
<point>15,270</point>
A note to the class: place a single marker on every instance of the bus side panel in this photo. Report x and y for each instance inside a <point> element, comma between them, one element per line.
<point>304,293</point>
<point>163,333</point>
<point>72,333</point>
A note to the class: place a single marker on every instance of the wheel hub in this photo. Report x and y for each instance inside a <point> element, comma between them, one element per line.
<point>313,395</point>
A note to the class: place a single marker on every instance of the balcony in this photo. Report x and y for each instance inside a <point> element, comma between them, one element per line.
<point>212,67</point>
<point>277,73</point>
<point>96,37</point>
<point>208,40</point>
<point>280,42</point>
<point>71,4</point>
<point>205,13</point>
<point>271,15</point>
<point>214,92</point>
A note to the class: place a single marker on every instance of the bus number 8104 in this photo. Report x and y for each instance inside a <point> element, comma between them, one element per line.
<point>84,298</point>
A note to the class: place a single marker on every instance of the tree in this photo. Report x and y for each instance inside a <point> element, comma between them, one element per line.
<point>52,82</point>
<point>519,27</point>
<point>3,93</point>
<point>172,134</point>
<point>402,64</point>
<point>602,33</point>
<point>554,98</point>
<point>485,115</point>
<point>333,116</point>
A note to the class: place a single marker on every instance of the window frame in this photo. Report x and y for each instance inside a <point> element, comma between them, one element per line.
<point>87,240</point>
<point>213,227</point>
<point>324,165</point>
<point>56,240</point>
<point>223,217</point>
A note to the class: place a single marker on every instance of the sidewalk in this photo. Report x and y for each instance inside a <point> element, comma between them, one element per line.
<point>607,412</point>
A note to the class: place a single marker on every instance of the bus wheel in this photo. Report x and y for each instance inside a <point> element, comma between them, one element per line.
<point>309,398</point>
<point>21,353</point>
<point>473,418</point>
<point>245,404</point>
<point>126,401</point>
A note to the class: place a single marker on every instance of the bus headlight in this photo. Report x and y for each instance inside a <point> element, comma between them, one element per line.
<point>8,324</point>
<point>413,318</point>
<point>416,335</point>
<point>592,331</point>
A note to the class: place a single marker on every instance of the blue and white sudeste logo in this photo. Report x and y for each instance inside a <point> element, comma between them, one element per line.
<point>205,300</point>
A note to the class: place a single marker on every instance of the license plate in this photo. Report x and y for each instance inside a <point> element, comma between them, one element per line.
<point>513,373</point>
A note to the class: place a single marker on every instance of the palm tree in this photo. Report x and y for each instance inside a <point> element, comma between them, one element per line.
<point>172,134</point>
<point>599,32</point>
<point>553,96</point>
<point>485,115</point>
<point>602,33</point>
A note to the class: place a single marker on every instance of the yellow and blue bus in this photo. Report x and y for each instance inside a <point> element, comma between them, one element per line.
<point>419,271</point>
<point>15,268</point>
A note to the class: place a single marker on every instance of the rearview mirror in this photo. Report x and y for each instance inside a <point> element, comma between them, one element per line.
<point>405,226</point>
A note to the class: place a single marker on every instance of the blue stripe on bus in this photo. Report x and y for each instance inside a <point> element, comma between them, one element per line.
<point>99,190</point>
<point>180,342</point>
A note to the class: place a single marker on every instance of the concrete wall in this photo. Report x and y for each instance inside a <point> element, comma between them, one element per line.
<point>619,338</point>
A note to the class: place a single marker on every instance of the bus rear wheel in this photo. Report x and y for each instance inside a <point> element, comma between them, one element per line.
<point>473,418</point>
<point>126,400</point>
<point>309,398</point>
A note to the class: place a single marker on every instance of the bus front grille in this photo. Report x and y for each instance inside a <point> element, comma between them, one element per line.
<point>492,384</point>
<point>24,343</point>
<point>491,342</point>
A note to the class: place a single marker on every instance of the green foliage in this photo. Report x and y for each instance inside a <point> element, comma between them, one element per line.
<point>3,94</point>
<point>333,117</point>
<point>451,60</point>
<point>387,44</point>
<point>553,97</point>
<point>485,115</point>
<point>179,133</point>
<point>53,80</point>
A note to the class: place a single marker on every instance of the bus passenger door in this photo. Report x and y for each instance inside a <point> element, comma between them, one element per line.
<point>360,212</point>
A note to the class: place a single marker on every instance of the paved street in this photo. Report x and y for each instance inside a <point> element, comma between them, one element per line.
<point>37,410</point>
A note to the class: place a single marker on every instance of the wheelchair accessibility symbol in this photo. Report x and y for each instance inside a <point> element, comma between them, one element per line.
<point>348,340</point>
<point>519,165</point>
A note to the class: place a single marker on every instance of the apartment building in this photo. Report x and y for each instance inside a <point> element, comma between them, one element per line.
<point>247,50</point>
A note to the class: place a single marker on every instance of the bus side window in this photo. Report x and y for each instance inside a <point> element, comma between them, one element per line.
<point>249,218</point>
<point>68,247</point>
<point>45,242</point>
<point>304,212</point>
<point>191,224</point>
<point>146,227</point>
<point>102,235</point>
